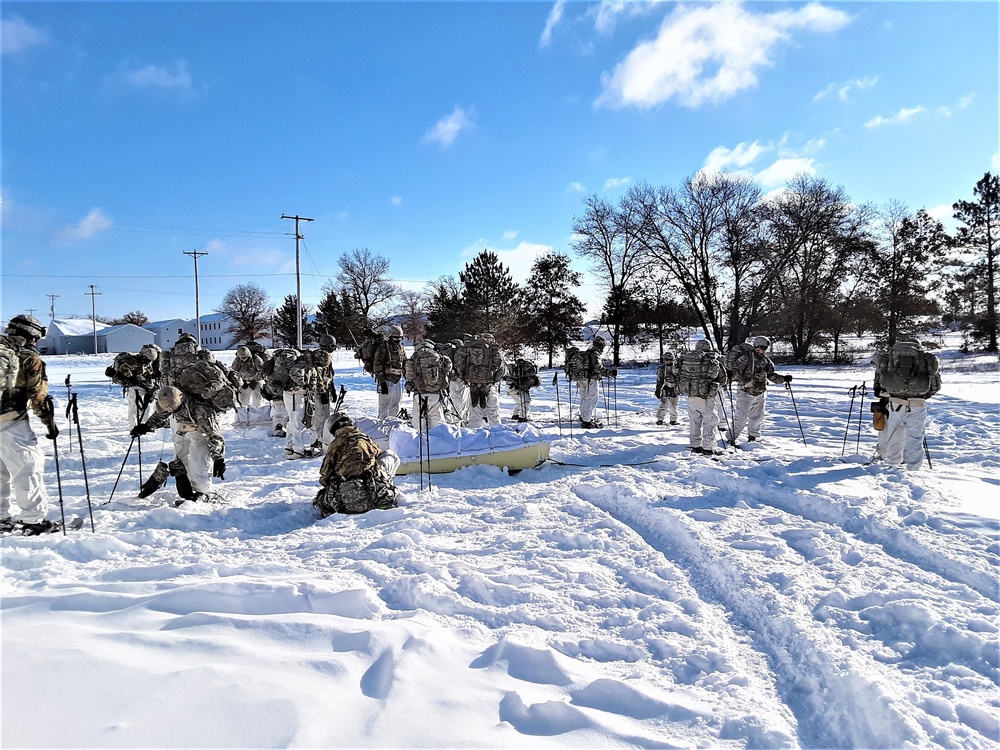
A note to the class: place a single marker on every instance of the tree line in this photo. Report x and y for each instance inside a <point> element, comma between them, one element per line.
<point>805,265</point>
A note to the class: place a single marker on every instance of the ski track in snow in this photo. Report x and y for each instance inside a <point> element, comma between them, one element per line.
<point>782,596</point>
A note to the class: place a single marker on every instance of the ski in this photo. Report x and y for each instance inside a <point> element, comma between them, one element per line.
<point>19,528</point>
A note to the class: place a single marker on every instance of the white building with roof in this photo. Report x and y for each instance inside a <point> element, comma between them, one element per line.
<point>77,336</point>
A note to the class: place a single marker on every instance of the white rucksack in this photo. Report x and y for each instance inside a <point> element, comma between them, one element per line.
<point>907,371</point>
<point>10,366</point>
<point>698,373</point>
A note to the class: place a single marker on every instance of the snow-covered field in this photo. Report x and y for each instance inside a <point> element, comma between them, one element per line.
<point>622,595</point>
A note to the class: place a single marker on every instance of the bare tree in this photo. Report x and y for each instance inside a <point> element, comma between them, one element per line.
<point>365,276</point>
<point>248,307</point>
<point>604,235</point>
<point>411,309</point>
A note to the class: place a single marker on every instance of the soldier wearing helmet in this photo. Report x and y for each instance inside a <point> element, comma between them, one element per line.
<point>25,386</point>
<point>388,370</point>
<point>752,370</point>
<point>250,367</point>
<point>666,389</point>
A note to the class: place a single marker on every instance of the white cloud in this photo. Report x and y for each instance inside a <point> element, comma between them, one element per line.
<point>607,12</point>
<point>447,129</point>
<point>844,90</point>
<point>396,200</point>
<point>17,35</point>
<point>902,116</point>
<point>967,100</point>
<point>784,169</point>
<point>721,158</point>
<point>576,187</point>
<point>521,258</point>
<point>708,53</point>
<point>87,227</point>
<point>510,234</point>
<point>553,19</point>
<point>615,182</point>
<point>175,76</point>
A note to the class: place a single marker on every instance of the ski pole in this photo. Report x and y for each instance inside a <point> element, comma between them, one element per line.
<point>853,392</point>
<point>927,453</point>
<point>124,460</point>
<point>569,387</point>
<point>83,460</point>
<point>420,447</point>
<point>603,386</point>
<point>725,417</point>
<point>788,387</point>
<point>864,393</point>
<point>48,408</point>
<point>555,382</point>
<point>614,381</point>
<point>427,431</point>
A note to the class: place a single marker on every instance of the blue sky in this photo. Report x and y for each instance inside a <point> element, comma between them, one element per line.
<point>427,131</point>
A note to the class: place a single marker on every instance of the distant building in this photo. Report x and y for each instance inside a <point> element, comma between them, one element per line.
<point>75,336</point>
<point>166,331</point>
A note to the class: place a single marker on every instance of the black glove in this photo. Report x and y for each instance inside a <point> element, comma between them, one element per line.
<point>877,390</point>
<point>140,429</point>
<point>47,413</point>
<point>219,468</point>
<point>53,431</point>
<point>614,373</point>
<point>383,388</point>
<point>659,393</point>
<point>788,378</point>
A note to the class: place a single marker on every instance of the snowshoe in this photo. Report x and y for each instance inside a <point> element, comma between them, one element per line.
<point>659,421</point>
<point>6,525</point>
<point>278,432</point>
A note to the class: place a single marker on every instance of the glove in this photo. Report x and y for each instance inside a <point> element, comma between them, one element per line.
<point>788,378</point>
<point>614,373</point>
<point>659,393</point>
<point>409,387</point>
<point>219,468</point>
<point>383,388</point>
<point>730,374</point>
<point>53,431</point>
<point>140,429</point>
<point>877,390</point>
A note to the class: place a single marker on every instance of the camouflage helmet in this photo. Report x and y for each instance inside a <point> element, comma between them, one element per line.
<point>243,352</point>
<point>702,345</point>
<point>321,357</point>
<point>599,342</point>
<point>667,357</point>
<point>394,332</point>
<point>169,398</point>
<point>150,352</point>
<point>489,338</point>
<point>26,326</point>
<point>457,343</point>
<point>338,421</point>
<point>327,342</point>
<point>761,342</point>
<point>186,344</point>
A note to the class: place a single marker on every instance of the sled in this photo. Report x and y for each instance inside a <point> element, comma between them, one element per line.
<point>510,447</point>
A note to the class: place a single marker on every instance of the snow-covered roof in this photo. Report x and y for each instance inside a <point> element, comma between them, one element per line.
<point>164,323</point>
<point>73,327</point>
<point>123,326</point>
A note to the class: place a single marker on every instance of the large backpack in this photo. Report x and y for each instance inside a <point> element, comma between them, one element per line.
<point>907,371</point>
<point>482,362</point>
<point>10,366</point>
<point>277,370</point>
<point>128,369</point>
<point>174,363</point>
<point>698,373</point>
<point>524,375</point>
<point>736,353</point>
<point>577,364</point>
<point>208,382</point>
<point>427,370</point>
<point>366,351</point>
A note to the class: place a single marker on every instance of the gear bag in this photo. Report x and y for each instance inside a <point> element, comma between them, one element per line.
<point>698,373</point>
<point>370,491</point>
<point>128,369</point>
<point>907,371</point>
<point>427,370</point>
<point>277,370</point>
<point>736,353</point>
<point>577,364</point>
<point>482,362</point>
<point>366,351</point>
<point>10,366</point>
<point>524,375</point>
<point>209,383</point>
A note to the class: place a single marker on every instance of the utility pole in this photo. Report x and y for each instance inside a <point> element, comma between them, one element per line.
<point>298,281</point>
<point>93,312</point>
<point>31,311</point>
<point>52,305</point>
<point>197,302</point>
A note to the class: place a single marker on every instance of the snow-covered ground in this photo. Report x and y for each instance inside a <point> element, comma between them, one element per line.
<point>623,594</point>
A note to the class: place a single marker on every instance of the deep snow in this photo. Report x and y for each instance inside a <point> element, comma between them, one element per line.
<point>623,594</point>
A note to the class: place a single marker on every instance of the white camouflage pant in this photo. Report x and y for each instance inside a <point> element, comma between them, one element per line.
<point>478,416</point>
<point>459,392</point>
<point>279,414</point>
<point>590,393</point>
<point>522,402</point>
<point>749,414</point>
<point>668,404</point>
<point>904,444</point>
<point>135,397</point>
<point>21,465</point>
<point>297,435</point>
<point>388,403</point>
<point>435,413</point>
<point>703,422</point>
<point>191,448</point>
<point>250,397</point>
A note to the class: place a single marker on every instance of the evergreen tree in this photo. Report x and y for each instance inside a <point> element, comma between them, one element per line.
<point>911,250</point>
<point>337,315</point>
<point>446,310</point>
<point>978,235</point>
<point>284,326</point>
<point>552,314</point>
<point>489,295</point>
